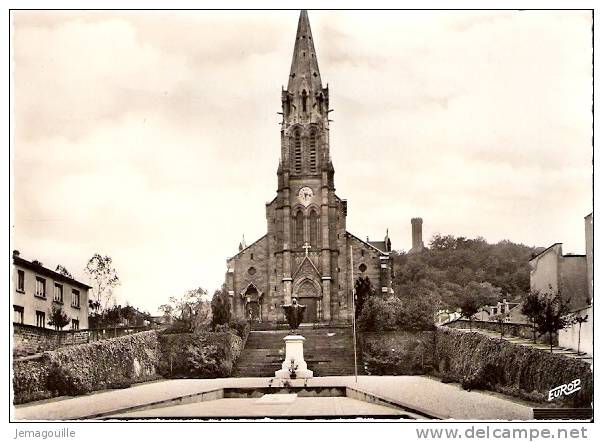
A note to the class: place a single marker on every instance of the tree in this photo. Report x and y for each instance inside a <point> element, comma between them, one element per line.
<point>553,317</point>
<point>104,278</point>
<point>578,319</point>
<point>363,290</point>
<point>501,319</point>
<point>531,306</point>
<point>57,317</point>
<point>191,312</point>
<point>220,307</point>
<point>63,271</point>
<point>475,296</point>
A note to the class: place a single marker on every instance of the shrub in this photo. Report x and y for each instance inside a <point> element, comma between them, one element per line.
<point>199,355</point>
<point>241,327</point>
<point>220,307</point>
<point>392,313</point>
<point>397,353</point>
<point>379,314</point>
<point>477,361</point>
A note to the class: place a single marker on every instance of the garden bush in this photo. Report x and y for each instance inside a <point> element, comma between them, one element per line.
<point>392,313</point>
<point>397,353</point>
<point>199,355</point>
<point>478,361</point>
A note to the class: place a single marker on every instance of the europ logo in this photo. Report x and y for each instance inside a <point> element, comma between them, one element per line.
<point>565,389</point>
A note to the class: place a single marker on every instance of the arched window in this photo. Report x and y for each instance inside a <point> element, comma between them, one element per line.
<point>304,101</point>
<point>299,229</point>
<point>313,229</point>
<point>312,152</point>
<point>297,152</point>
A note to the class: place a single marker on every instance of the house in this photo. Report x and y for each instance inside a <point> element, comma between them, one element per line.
<point>36,289</point>
<point>571,275</point>
<point>510,309</point>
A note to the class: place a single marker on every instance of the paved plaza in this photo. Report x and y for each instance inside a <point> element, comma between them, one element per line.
<point>448,401</point>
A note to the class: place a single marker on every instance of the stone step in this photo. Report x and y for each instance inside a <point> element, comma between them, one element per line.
<point>327,351</point>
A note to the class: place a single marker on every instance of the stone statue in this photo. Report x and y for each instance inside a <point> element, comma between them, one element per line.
<point>294,313</point>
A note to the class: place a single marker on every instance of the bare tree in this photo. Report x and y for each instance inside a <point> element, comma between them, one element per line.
<point>104,279</point>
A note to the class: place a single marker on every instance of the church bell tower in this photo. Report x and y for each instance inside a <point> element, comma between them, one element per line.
<point>305,175</point>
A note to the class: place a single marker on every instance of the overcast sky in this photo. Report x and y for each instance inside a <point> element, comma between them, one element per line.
<point>153,136</point>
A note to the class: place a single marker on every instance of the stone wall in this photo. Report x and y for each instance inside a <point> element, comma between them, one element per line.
<point>29,339</point>
<point>510,329</point>
<point>397,353</point>
<point>478,361</point>
<point>80,369</point>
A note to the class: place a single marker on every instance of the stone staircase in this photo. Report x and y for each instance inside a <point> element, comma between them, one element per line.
<point>328,351</point>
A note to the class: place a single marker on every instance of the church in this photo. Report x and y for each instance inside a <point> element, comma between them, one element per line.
<point>307,252</point>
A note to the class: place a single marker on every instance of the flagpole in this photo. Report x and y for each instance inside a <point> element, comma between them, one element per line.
<point>353,313</point>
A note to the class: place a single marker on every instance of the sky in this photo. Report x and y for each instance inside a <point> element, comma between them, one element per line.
<point>153,136</point>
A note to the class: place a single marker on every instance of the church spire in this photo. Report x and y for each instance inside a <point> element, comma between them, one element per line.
<point>304,73</point>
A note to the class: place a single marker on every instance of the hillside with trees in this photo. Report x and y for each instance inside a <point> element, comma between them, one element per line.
<point>452,265</point>
<point>453,273</point>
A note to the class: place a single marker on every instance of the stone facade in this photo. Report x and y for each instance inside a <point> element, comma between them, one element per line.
<point>307,252</point>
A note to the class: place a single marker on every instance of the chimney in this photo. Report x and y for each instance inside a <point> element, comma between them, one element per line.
<point>417,234</point>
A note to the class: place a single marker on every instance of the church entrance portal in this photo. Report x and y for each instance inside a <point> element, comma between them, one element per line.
<point>308,294</point>
<point>253,303</point>
<point>252,311</point>
<point>311,313</point>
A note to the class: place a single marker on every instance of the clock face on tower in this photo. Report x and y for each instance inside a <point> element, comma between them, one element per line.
<point>305,195</point>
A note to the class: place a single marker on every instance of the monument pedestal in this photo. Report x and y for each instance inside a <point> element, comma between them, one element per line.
<point>294,351</point>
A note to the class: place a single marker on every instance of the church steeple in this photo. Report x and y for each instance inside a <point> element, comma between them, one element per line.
<point>304,73</point>
<point>305,104</point>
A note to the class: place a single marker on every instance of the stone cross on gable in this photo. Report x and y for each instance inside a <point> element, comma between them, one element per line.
<point>306,246</point>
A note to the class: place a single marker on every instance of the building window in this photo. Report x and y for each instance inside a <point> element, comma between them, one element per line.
<point>75,324</point>
<point>299,229</point>
<point>58,292</point>
<point>362,267</point>
<point>312,152</point>
<point>252,256</point>
<point>18,314</point>
<point>40,287</point>
<point>304,100</point>
<point>40,319</point>
<point>297,153</point>
<point>20,281</point>
<point>313,229</point>
<point>75,298</point>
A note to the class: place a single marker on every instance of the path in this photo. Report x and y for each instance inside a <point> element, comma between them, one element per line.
<point>446,400</point>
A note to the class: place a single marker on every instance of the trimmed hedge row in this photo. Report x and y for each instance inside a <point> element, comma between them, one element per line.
<point>80,369</point>
<point>199,355</point>
<point>478,361</point>
<point>397,353</point>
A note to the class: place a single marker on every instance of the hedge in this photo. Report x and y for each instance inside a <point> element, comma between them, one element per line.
<point>199,355</point>
<point>397,353</point>
<point>478,361</point>
<point>80,369</point>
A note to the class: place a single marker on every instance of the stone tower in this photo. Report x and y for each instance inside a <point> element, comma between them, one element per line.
<point>417,235</point>
<point>307,252</point>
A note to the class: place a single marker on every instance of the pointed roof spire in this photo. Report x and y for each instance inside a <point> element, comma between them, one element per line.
<point>242,244</point>
<point>304,66</point>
